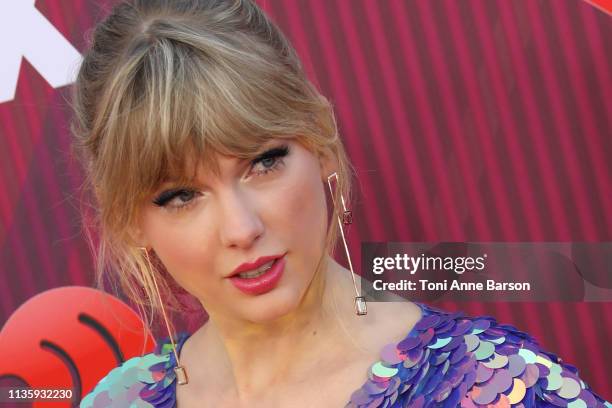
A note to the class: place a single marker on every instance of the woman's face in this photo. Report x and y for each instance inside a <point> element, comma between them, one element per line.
<point>273,204</point>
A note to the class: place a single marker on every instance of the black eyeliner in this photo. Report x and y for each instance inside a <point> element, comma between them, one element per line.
<point>280,151</point>
<point>168,195</point>
<point>275,152</point>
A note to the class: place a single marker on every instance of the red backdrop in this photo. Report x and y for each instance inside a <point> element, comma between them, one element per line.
<point>466,121</point>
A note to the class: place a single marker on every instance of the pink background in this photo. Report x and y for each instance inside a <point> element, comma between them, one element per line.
<point>466,121</point>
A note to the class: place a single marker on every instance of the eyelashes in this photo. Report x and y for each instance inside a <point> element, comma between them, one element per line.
<point>182,193</point>
<point>182,197</point>
<point>274,154</point>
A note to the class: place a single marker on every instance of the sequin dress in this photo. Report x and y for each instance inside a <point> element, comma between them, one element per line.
<point>446,360</point>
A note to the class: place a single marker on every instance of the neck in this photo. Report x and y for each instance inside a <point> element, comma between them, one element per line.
<point>254,357</point>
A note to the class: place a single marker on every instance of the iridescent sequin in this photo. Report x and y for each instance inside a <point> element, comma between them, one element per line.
<point>446,360</point>
<point>143,382</point>
<point>452,360</point>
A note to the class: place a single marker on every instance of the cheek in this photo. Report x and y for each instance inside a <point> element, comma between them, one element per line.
<point>303,213</point>
<point>181,246</point>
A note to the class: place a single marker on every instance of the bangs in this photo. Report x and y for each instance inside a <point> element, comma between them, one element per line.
<point>183,107</point>
<point>166,88</point>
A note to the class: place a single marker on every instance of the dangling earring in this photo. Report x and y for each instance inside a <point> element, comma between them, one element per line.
<point>347,218</point>
<point>179,370</point>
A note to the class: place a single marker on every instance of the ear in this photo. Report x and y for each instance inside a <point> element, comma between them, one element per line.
<point>327,163</point>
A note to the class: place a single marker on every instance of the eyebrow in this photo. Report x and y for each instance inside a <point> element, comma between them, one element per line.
<point>169,178</point>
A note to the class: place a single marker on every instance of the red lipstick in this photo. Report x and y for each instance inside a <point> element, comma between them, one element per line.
<point>249,266</point>
<point>262,283</point>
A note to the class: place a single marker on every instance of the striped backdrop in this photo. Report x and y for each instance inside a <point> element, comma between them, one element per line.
<point>466,121</point>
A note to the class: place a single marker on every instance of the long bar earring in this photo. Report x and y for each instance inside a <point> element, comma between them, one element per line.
<point>347,218</point>
<point>179,370</point>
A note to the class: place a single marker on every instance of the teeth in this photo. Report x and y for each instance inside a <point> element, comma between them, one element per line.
<point>257,272</point>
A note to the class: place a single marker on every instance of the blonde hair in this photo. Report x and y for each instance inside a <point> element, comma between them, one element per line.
<point>164,80</point>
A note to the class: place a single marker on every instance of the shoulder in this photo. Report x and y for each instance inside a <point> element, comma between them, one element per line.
<point>142,381</point>
<point>449,359</point>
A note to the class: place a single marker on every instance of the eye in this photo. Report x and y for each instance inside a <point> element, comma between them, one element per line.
<point>269,160</point>
<point>176,198</point>
<point>183,197</point>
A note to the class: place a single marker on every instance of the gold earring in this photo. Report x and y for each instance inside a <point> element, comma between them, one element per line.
<point>179,370</point>
<point>347,218</point>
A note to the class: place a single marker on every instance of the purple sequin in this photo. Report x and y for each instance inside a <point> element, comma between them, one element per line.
<point>429,372</point>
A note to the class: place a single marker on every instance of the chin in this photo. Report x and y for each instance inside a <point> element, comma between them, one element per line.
<point>273,305</point>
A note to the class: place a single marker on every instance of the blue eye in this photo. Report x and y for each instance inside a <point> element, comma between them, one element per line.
<point>270,160</point>
<point>183,196</point>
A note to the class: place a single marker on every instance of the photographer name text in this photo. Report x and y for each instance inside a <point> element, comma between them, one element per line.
<point>454,285</point>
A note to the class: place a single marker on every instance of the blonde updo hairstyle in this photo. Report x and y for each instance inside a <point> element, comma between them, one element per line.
<point>164,80</point>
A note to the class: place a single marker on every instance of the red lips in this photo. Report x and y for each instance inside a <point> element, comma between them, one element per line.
<point>249,266</point>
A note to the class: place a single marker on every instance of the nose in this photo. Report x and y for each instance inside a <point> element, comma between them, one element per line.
<point>240,224</point>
